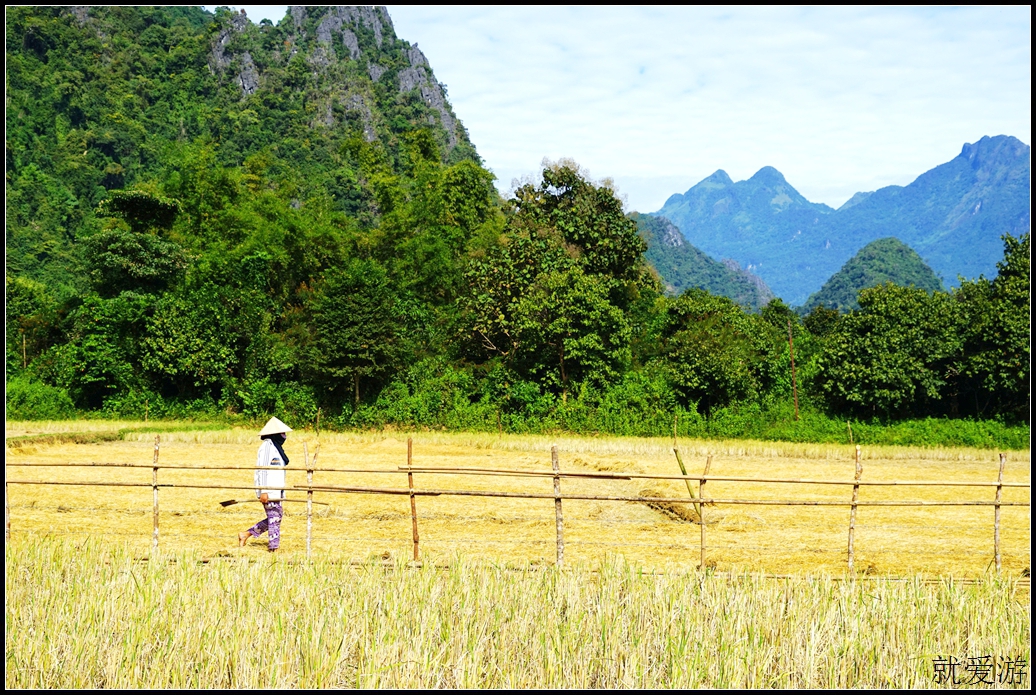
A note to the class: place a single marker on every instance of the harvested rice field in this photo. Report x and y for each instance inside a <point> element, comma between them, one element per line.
<point>90,614</point>
<point>521,533</point>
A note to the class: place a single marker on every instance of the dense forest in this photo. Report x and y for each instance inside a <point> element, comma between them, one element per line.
<point>209,218</point>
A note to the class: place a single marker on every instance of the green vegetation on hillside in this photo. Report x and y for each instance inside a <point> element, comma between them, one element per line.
<point>879,262</point>
<point>682,266</point>
<point>208,217</point>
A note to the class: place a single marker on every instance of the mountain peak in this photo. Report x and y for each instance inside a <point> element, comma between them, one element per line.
<point>768,176</point>
<point>990,150</point>
<point>720,176</point>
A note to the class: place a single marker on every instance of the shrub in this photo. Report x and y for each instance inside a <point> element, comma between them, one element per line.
<point>32,400</point>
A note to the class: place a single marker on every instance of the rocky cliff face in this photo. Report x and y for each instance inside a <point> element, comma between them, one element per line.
<point>339,45</point>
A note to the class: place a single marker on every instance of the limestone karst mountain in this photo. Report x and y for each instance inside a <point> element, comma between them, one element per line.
<point>952,215</point>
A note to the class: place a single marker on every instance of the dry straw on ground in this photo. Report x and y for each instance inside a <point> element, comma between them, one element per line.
<point>900,541</point>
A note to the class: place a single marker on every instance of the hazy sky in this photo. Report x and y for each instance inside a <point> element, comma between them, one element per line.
<point>838,99</point>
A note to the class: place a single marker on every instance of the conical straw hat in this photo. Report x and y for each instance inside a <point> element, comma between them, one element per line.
<point>274,426</point>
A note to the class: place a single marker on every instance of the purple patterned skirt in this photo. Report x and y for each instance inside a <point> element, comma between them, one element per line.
<point>271,524</point>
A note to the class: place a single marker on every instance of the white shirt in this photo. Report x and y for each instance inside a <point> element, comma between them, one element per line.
<point>271,481</point>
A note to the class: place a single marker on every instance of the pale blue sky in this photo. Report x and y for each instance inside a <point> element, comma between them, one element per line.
<point>838,99</point>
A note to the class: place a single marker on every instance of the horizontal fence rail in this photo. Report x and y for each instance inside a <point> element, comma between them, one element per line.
<point>545,474</point>
<point>699,501</point>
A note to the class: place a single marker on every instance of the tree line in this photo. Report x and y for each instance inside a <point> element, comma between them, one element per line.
<point>176,247</point>
<point>214,289</point>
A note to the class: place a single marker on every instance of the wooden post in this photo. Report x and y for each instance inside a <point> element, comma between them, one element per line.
<point>309,501</point>
<point>701,513</point>
<point>683,470</point>
<point>557,505</point>
<point>413,499</point>
<point>794,385</point>
<point>7,515</point>
<point>154,489</point>
<point>996,513</point>
<point>690,490</point>
<point>852,510</point>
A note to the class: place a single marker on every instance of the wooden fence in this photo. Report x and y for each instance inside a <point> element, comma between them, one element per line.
<point>695,498</point>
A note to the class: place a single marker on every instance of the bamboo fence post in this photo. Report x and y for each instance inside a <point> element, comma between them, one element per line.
<point>557,505</point>
<point>154,489</point>
<point>701,509</point>
<point>852,510</point>
<point>996,512</point>
<point>413,499</point>
<point>683,470</point>
<point>309,502</point>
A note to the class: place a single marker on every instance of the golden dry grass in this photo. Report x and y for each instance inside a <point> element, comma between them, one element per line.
<point>899,541</point>
<point>89,615</point>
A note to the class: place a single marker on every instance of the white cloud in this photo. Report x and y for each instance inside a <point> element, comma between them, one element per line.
<point>839,100</point>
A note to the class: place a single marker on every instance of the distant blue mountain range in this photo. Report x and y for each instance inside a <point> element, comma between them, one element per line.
<point>952,215</point>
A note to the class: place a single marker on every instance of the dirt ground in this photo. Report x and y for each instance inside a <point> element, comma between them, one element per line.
<point>898,541</point>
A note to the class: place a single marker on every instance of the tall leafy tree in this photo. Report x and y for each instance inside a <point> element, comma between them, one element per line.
<point>356,327</point>
<point>996,367</point>
<point>552,298</point>
<point>893,356</point>
<point>715,353</point>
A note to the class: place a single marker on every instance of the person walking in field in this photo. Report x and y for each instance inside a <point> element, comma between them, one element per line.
<point>269,483</point>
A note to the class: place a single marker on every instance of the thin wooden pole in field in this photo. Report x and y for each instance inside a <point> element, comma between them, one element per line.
<point>309,502</point>
<point>7,515</point>
<point>557,506</point>
<point>852,510</point>
<point>996,513</point>
<point>683,469</point>
<point>413,499</point>
<point>701,512</point>
<point>154,489</point>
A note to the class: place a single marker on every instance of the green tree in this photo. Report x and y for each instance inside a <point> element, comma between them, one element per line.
<point>893,356</point>
<point>568,332</point>
<point>130,254</point>
<point>355,325</point>
<point>996,366</point>
<point>821,321</point>
<point>715,353</point>
<point>196,339</point>
<point>552,297</point>
<point>100,356</point>
<point>32,322</point>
